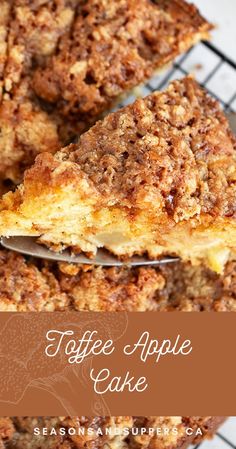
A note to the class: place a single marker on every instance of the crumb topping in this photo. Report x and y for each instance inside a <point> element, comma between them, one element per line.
<point>35,285</point>
<point>112,47</point>
<point>175,148</point>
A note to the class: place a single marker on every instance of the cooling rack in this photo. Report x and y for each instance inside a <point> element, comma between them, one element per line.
<point>217,74</point>
<point>224,439</point>
<point>211,68</point>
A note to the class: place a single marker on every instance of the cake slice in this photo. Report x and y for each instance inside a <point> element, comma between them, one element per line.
<point>156,177</point>
<point>112,47</point>
<point>173,433</point>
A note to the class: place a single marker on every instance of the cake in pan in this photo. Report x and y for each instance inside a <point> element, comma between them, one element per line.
<point>46,45</point>
<point>155,177</point>
<point>23,437</point>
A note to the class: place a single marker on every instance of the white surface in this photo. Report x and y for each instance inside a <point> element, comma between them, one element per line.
<point>223,15</point>
<point>227,431</point>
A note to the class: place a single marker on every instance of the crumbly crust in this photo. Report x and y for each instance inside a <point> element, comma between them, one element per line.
<point>112,47</point>
<point>29,32</point>
<point>34,285</point>
<point>24,439</point>
<point>26,130</point>
<point>176,146</point>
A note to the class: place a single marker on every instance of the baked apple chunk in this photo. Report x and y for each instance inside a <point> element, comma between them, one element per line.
<point>157,178</point>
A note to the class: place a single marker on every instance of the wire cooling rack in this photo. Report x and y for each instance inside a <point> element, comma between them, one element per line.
<point>212,69</point>
<point>217,74</point>
<point>224,439</point>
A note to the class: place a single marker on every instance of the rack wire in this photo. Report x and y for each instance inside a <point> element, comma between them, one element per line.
<point>217,74</point>
<point>224,439</point>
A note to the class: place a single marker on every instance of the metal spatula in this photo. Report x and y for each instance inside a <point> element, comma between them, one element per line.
<point>30,247</point>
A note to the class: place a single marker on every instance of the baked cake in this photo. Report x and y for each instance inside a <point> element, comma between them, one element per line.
<point>24,438</point>
<point>155,177</point>
<point>29,33</point>
<point>112,47</point>
<point>26,130</point>
<point>33,32</point>
<point>36,285</point>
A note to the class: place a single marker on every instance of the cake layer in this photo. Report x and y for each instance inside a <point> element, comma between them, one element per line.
<point>34,285</point>
<point>156,177</point>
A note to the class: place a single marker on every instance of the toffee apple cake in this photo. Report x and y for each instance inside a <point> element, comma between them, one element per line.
<point>155,177</point>
<point>76,33</point>
<point>24,438</point>
<point>112,47</point>
<point>36,285</point>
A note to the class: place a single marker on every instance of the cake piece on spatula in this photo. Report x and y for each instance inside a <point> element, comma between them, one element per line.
<point>156,177</point>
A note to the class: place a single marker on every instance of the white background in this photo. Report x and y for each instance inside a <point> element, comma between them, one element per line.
<point>221,13</point>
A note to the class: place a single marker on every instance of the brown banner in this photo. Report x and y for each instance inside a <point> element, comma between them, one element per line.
<point>117,364</point>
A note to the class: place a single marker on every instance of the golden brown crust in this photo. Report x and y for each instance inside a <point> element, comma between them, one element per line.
<point>24,439</point>
<point>34,28</point>
<point>176,144</point>
<point>34,285</point>
<point>112,47</point>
